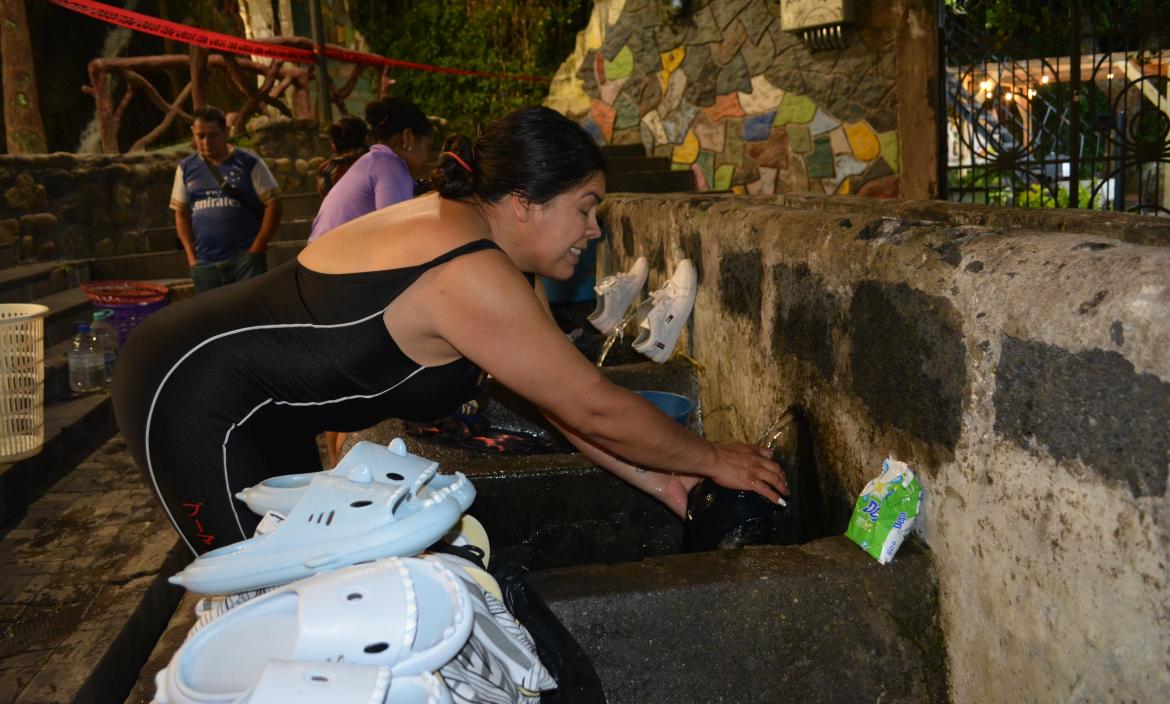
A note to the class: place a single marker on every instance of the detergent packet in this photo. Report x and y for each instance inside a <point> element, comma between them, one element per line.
<point>885,511</point>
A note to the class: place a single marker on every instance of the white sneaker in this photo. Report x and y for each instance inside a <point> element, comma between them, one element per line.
<point>672,306</point>
<point>615,294</point>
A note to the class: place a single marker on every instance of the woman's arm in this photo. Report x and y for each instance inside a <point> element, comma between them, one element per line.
<point>485,309</point>
<point>670,489</point>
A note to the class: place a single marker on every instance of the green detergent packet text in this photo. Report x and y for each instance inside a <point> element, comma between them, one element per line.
<point>885,511</point>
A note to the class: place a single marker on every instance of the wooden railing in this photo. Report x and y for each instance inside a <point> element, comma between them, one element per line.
<point>275,84</point>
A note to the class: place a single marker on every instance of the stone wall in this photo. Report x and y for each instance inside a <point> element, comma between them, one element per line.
<point>75,206</point>
<point>726,92</point>
<point>1025,374</point>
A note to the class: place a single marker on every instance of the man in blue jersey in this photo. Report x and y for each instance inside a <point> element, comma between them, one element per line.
<point>227,206</point>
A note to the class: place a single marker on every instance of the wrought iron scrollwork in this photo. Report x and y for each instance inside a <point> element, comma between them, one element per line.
<point>1075,115</point>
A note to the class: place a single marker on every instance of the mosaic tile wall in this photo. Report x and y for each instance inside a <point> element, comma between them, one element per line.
<point>724,91</point>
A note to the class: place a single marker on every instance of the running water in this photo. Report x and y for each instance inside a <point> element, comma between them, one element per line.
<point>780,432</point>
<point>720,518</point>
<point>115,44</point>
<point>639,311</point>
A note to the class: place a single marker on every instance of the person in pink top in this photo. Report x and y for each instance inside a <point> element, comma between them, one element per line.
<point>401,136</point>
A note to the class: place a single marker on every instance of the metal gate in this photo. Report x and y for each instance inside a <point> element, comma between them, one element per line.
<point>1057,103</point>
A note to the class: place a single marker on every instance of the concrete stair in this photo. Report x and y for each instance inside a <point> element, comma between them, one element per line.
<point>295,224</point>
<point>84,547</point>
<point>301,206</point>
<point>631,171</point>
<point>83,591</point>
<point>618,151</point>
<point>651,182</point>
<point>77,424</point>
<point>28,282</point>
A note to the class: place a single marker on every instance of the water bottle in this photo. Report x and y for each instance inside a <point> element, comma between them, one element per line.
<point>87,363</point>
<point>107,337</point>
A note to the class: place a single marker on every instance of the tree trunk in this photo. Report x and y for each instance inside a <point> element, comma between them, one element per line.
<point>23,128</point>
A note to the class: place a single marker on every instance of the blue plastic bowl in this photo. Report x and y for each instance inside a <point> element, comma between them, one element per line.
<point>676,406</point>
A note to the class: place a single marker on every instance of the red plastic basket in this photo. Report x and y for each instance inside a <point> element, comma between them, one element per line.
<point>124,292</point>
<point>129,301</point>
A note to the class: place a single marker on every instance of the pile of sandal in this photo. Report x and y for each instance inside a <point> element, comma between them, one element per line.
<point>335,599</point>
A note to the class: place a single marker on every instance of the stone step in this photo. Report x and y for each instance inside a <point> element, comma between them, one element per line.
<point>160,239</point>
<point>83,592</point>
<point>166,239</point>
<point>57,355</point>
<point>293,230</point>
<point>301,206</point>
<point>622,150</point>
<point>625,164</point>
<point>74,427</point>
<point>72,306</point>
<point>821,622</point>
<point>28,282</point>
<point>57,373</point>
<point>168,643</point>
<point>173,265</point>
<point>65,308</point>
<point>651,182</point>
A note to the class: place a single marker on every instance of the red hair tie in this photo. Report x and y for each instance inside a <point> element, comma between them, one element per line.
<point>455,156</point>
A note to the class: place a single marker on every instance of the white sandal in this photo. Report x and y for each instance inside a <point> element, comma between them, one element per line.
<point>391,464</point>
<point>338,521</point>
<point>406,615</point>
<point>285,682</point>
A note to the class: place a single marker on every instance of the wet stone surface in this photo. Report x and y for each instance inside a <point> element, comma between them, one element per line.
<point>693,249</point>
<point>741,276</point>
<point>803,317</point>
<point>820,623</point>
<point>907,360</point>
<point>82,592</point>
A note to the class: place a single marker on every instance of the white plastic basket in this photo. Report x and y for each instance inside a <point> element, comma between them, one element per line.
<point>22,380</point>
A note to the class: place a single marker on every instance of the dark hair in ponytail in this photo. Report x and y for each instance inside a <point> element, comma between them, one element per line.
<point>347,133</point>
<point>534,152</point>
<point>389,116</point>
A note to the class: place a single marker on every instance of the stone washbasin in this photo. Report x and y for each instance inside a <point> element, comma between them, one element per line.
<point>594,569</point>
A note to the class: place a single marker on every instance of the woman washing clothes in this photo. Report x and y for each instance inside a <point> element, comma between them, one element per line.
<point>384,175</point>
<point>394,315</point>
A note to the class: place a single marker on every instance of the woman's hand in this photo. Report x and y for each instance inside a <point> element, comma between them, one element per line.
<point>739,465</point>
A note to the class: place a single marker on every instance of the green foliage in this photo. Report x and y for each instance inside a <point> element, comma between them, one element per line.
<point>528,37</point>
<point>1038,18</point>
<point>986,184</point>
<point>1036,196</point>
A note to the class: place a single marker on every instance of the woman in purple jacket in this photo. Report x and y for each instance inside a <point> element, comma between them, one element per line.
<point>384,175</point>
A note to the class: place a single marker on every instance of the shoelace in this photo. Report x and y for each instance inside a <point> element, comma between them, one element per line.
<point>668,290</point>
<point>606,285</point>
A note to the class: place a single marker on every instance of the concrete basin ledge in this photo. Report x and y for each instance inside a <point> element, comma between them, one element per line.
<point>821,623</point>
<point>1022,367</point>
